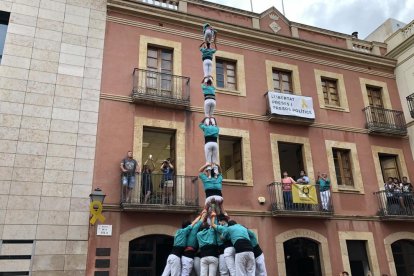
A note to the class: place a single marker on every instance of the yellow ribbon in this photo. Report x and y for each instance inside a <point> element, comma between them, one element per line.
<point>96,213</point>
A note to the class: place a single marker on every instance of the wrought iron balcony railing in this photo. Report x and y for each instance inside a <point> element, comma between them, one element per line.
<point>394,205</point>
<point>153,193</point>
<point>160,88</point>
<point>410,102</point>
<point>283,205</point>
<point>385,121</point>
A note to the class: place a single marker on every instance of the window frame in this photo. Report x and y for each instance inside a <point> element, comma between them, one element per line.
<point>294,69</point>
<point>339,155</point>
<point>358,186</point>
<point>364,83</point>
<point>239,72</point>
<point>225,63</point>
<point>327,85</point>
<point>342,96</point>
<point>282,73</point>
<point>240,141</point>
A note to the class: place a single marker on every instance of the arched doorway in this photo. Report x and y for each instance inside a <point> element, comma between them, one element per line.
<point>302,257</point>
<point>148,254</point>
<point>403,253</point>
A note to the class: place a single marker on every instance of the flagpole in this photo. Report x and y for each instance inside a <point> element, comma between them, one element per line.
<point>251,5</point>
<point>283,8</point>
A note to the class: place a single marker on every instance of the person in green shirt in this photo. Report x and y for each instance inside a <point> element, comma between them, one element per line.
<point>212,187</point>
<point>258,255</point>
<point>227,251</point>
<point>187,259</point>
<point>207,54</point>
<point>173,266</point>
<point>209,92</point>
<point>324,190</point>
<point>207,240</point>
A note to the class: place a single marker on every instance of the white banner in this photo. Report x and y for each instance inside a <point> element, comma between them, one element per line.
<point>291,105</point>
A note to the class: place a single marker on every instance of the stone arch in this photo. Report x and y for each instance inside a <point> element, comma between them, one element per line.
<point>308,234</point>
<point>390,239</point>
<point>140,231</point>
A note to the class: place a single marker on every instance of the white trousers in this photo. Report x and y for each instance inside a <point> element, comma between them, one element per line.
<point>211,152</point>
<point>211,120</point>
<point>223,266</point>
<point>208,35</point>
<point>209,106</point>
<point>173,266</point>
<point>229,253</point>
<point>208,266</point>
<point>186,265</point>
<point>260,266</point>
<point>207,67</point>
<point>218,199</point>
<point>245,264</point>
<point>325,198</point>
<point>196,266</point>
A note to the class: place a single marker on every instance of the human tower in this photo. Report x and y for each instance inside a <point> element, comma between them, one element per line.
<point>212,244</point>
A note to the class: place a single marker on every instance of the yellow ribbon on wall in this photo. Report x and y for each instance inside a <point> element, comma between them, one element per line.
<point>96,213</point>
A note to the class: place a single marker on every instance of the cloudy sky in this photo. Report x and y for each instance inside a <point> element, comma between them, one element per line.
<point>344,16</point>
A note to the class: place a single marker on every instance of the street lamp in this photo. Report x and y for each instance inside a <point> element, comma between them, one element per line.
<point>97,195</point>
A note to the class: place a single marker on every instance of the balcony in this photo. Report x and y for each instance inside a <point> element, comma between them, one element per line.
<point>182,199</point>
<point>395,206</point>
<point>385,121</point>
<point>289,108</point>
<point>161,89</point>
<point>282,207</point>
<point>410,102</point>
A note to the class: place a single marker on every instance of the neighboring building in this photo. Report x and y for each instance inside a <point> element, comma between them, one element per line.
<point>151,102</point>
<point>385,30</point>
<point>51,59</point>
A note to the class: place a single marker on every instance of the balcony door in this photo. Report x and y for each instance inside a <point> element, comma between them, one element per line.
<point>290,158</point>
<point>389,166</point>
<point>375,101</point>
<point>403,253</point>
<point>160,70</point>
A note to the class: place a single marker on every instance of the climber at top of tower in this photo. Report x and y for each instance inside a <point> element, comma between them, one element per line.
<point>209,33</point>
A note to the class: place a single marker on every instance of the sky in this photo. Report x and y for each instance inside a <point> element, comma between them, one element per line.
<point>344,16</point>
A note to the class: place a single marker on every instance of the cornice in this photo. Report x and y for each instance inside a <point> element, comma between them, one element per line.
<point>250,34</point>
<point>247,116</point>
<point>402,47</point>
<point>253,213</point>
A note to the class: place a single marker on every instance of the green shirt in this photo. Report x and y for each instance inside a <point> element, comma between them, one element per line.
<point>207,237</point>
<point>211,183</point>
<point>253,238</point>
<point>180,238</point>
<point>207,53</point>
<point>234,232</point>
<point>192,236</point>
<point>209,130</point>
<point>323,184</point>
<point>208,89</point>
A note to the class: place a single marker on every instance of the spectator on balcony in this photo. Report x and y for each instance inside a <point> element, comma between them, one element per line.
<point>129,167</point>
<point>398,192</point>
<point>209,102</point>
<point>287,183</point>
<point>167,181</point>
<point>146,179</point>
<point>244,258</point>
<point>211,133</point>
<point>207,241</point>
<point>207,54</point>
<point>187,259</point>
<point>407,191</point>
<point>303,180</point>
<point>324,190</point>
<point>258,255</point>
<point>173,266</point>
<point>212,188</point>
<point>389,188</point>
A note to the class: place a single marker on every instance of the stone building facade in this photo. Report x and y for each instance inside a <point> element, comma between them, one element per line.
<point>50,78</point>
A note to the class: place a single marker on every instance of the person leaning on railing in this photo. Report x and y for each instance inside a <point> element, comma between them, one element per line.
<point>146,179</point>
<point>407,190</point>
<point>129,167</point>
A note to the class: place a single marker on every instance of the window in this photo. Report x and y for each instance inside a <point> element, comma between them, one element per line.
<point>343,168</point>
<point>226,74</point>
<point>330,91</point>
<point>282,81</point>
<point>4,22</point>
<point>159,60</point>
<point>231,157</point>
